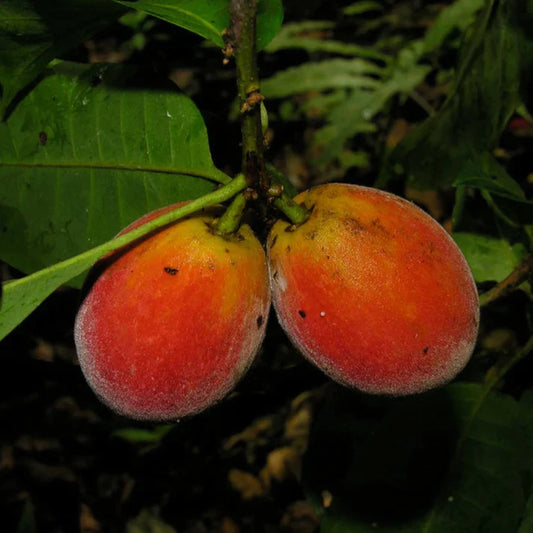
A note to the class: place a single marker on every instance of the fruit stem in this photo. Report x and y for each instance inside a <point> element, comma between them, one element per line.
<point>296,213</point>
<point>276,193</point>
<point>241,39</point>
<point>230,221</point>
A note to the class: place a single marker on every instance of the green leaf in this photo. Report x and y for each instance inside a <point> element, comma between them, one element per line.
<point>209,18</point>
<point>457,459</point>
<point>357,8</point>
<point>457,16</point>
<point>86,153</point>
<point>484,172</point>
<point>355,114</point>
<point>22,296</point>
<point>296,36</point>
<point>33,32</point>
<point>325,75</point>
<point>492,72</point>
<point>490,258</point>
<point>144,436</point>
<point>27,518</point>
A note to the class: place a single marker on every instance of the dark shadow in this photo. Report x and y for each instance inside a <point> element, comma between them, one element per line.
<point>383,460</point>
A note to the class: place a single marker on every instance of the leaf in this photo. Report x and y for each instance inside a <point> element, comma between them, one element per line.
<point>360,7</point>
<point>355,114</point>
<point>490,258</point>
<point>85,154</point>
<point>491,75</point>
<point>33,32</point>
<point>456,459</point>
<point>484,172</point>
<point>22,296</point>
<point>144,436</point>
<point>302,35</point>
<point>27,518</point>
<point>457,16</point>
<point>208,18</point>
<point>321,76</point>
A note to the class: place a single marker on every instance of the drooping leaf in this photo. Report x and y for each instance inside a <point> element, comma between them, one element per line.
<point>208,18</point>
<point>22,296</point>
<point>33,32</point>
<point>85,153</point>
<point>490,258</point>
<point>457,459</point>
<point>495,65</point>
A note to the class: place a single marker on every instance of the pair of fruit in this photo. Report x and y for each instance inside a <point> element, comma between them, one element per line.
<point>370,288</point>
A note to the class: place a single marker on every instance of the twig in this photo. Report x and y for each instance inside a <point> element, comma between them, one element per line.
<point>510,283</point>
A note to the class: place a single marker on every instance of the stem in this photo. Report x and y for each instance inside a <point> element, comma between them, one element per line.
<point>242,37</point>
<point>297,214</point>
<point>510,283</point>
<point>498,373</point>
<point>229,222</point>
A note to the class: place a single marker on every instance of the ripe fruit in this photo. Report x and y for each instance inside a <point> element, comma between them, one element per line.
<point>373,291</point>
<point>174,321</point>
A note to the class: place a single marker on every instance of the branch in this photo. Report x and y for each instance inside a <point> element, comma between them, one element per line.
<point>520,274</point>
<point>241,40</point>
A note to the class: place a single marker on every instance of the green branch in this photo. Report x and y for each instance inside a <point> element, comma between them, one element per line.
<point>241,38</point>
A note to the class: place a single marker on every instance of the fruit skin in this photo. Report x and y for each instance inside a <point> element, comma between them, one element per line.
<point>373,291</point>
<point>174,321</point>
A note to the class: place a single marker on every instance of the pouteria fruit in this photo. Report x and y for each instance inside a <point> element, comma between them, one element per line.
<point>173,322</point>
<point>373,291</point>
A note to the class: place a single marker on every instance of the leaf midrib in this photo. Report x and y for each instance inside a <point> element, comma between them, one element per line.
<point>212,174</point>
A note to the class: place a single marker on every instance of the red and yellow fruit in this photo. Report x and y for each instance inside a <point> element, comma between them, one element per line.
<point>174,322</point>
<point>373,291</point>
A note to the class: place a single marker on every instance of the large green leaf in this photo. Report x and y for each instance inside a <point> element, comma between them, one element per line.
<point>33,32</point>
<point>209,18</point>
<point>494,67</point>
<point>458,459</point>
<point>490,258</point>
<point>87,152</point>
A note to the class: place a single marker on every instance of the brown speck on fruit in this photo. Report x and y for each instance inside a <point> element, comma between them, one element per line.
<point>211,266</point>
<point>353,225</point>
<point>302,313</point>
<point>171,271</point>
<point>43,137</point>
<point>226,250</point>
<point>290,228</point>
<point>426,350</point>
<point>273,241</point>
<point>288,249</point>
<point>275,275</point>
<point>259,321</point>
<point>311,235</point>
